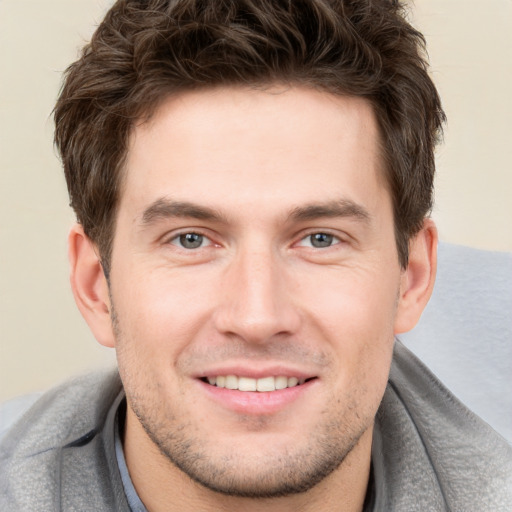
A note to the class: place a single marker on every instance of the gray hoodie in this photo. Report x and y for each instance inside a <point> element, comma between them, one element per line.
<point>430,453</point>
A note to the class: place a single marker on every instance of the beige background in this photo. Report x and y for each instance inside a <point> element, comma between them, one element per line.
<point>42,337</point>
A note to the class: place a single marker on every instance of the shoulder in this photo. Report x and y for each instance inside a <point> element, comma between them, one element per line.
<point>64,412</point>
<point>436,446</point>
<point>31,450</point>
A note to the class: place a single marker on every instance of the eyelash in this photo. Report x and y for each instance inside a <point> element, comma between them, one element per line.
<point>334,240</point>
<point>179,239</point>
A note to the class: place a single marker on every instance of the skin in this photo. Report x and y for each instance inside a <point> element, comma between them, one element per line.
<point>255,296</point>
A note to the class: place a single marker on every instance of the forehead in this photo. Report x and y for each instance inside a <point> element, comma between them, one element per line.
<point>281,146</point>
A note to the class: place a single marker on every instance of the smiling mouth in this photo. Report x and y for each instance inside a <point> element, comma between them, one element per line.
<point>264,384</point>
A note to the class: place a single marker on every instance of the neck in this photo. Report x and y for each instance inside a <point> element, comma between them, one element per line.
<point>163,487</point>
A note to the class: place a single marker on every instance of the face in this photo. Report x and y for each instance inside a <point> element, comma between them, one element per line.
<point>254,281</point>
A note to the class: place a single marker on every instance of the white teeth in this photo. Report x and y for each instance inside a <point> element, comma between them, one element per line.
<point>281,382</point>
<point>292,381</point>
<point>231,382</point>
<point>247,384</point>
<point>266,384</point>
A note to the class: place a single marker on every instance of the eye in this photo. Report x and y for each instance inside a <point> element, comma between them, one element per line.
<point>190,241</point>
<point>319,240</point>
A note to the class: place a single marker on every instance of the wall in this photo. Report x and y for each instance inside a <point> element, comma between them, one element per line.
<point>43,338</point>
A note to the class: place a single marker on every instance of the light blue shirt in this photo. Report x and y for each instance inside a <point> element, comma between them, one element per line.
<point>132,497</point>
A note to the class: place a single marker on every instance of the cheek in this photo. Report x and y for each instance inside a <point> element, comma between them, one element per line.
<point>352,300</point>
<point>160,312</point>
<point>355,314</point>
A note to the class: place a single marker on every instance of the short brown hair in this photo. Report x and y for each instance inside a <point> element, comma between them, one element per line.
<point>145,50</point>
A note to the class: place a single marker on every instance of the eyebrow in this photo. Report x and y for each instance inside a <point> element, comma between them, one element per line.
<point>340,208</point>
<point>165,208</point>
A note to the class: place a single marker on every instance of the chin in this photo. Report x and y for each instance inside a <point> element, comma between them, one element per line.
<point>266,469</point>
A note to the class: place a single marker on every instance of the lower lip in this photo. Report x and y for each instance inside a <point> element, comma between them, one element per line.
<point>254,402</point>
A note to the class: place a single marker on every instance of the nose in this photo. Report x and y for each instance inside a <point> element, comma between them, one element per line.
<point>256,304</point>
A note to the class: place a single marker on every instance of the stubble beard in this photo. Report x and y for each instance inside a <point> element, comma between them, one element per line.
<point>269,475</point>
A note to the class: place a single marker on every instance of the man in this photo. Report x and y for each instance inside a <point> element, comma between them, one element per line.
<point>252,183</point>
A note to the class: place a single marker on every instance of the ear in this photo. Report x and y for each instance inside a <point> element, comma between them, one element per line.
<point>417,280</point>
<point>89,285</point>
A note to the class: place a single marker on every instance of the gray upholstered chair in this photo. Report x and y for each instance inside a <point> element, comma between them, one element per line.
<point>465,333</point>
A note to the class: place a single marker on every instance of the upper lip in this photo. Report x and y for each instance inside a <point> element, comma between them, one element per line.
<point>253,372</point>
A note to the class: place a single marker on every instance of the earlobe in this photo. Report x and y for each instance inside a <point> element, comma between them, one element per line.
<point>417,281</point>
<point>89,285</point>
